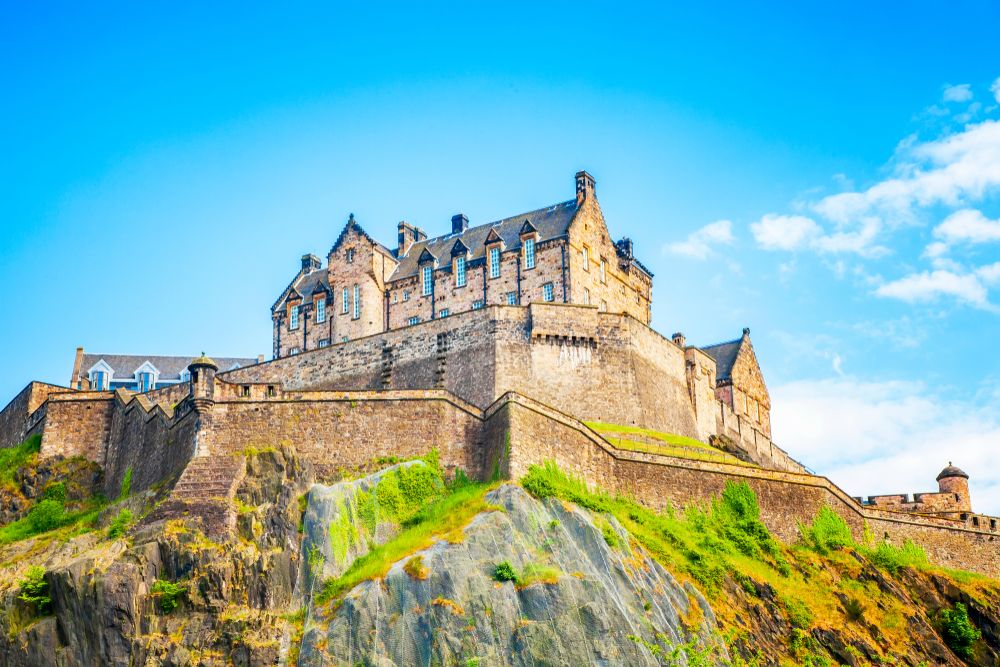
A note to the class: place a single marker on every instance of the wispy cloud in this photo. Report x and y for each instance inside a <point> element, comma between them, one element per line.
<point>930,285</point>
<point>995,89</point>
<point>785,232</point>
<point>700,243</point>
<point>961,92</point>
<point>968,225</point>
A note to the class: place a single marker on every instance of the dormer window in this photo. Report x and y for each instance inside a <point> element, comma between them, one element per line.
<point>145,382</point>
<point>427,277</point>
<point>495,262</point>
<point>460,272</point>
<point>321,310</point>
<point>529,253</point>
<point>98,380</point>
<point>293,317</point>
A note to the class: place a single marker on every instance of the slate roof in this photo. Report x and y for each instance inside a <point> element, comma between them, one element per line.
<point>313,282</point>
<point>551,222</point>
<point>170,368</point>
<point>951,471</point>
<point>725,358</point>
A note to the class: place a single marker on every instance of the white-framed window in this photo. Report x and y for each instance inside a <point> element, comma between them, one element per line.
<point>357,301</point>
<point>293,317</point>
<point>406,295</point>
<point>511,298</point>
<point>427,277</point>
<point>343,301</point>
<point>459,272</point>
<point>604,306</point>
<point>350,255</point>
<point>145,382</point>
<point>324,342</point>
<point>495,262</point>
<point>395,297</point>
<point>586,296</point>
<point>412,321</point>
<point>586,258</point>
<point>547,293</point>
<point>98,380</point>
<point>294,350</point>
<point>477,304</point>
<point>444,313</point>
<point>344,339</point>
<point>604,271</point>
<point>321,310</point>
<point>529,253</point>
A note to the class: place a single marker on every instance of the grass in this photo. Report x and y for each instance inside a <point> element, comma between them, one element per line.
<point>69,524</point>
<point>667,438</point>
<point>443,517</point>
<point>664,444</point>
<point>12,458</point>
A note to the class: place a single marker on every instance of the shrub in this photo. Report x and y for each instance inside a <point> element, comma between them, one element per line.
<point>168,594</point>
<point>610,536</point>
<point>415,568</point>
<point>854,609</point>
<point>893,558</point>
<point>55,491</point>
<point>119,524</point>
<point>827,532</point>
<point>35,590</point>
<point>126,484</point>
<point>958,631</point>
<point>46,515</point>
<point>504,571</point>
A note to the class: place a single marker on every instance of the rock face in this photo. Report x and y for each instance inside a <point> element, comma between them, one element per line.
<point>593,603</point>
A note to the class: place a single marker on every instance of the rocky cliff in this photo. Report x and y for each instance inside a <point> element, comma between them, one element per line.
<point>405,567</point>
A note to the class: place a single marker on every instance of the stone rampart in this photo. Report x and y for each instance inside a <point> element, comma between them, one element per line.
<point>21,416</point>
<point>750,443</point>
<point>78,424</point>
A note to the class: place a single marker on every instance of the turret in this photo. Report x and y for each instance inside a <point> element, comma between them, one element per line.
<point>203,371</point>
<point>954,480</point>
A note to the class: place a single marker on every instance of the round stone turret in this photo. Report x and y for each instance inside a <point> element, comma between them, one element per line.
<point>954,480</point>
<point>203,370</point>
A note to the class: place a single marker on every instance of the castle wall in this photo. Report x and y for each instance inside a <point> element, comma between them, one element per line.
<point>78,424</point>
<point>18,419</point>
<point>751,443</point>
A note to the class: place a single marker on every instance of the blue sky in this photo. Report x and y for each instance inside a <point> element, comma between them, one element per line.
<point>826,175</point>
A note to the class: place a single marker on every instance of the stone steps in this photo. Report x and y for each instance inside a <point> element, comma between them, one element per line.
<point>204,492</point>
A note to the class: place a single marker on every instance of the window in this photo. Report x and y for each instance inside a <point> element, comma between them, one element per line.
<point>529,253</point>
<point>428,281</point>
<point>97,380</point>
<point>604,306</point>
<point>344,339</point>
<point>245,391</point>
<point>412,321</point>
<point>357,301</point>
<point>547,292</point>
<point>350,255</point>
<point>494,262</point>
<point>511,298</point>
<point>293,317</point>
<point>145,382</point>
<point>321,310</point>
<point>324,342</point>
<point>477,304</point>
<point>586,296</point>
<point>444,313</point>
<point>586,258</point>
<point>272,391</point>
<point>343,301</point>
<point>294,350</point>
<point>406,295</point>
<point>459,272</point>
<point>395,297</point>
<point>604,271</point>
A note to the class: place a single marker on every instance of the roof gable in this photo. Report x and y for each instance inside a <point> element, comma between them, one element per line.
<point>353,226</point>
<point>493,237</point>
<point>459,248</point>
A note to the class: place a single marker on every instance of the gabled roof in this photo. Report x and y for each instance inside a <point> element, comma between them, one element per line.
<point>426,256</point>
<point>124,366</point>
<point>725,355</point>
<point>550,222</point>
<point>492,237</point>
<point>353,224</point>
<point>459,248</point>
<point>303,286</point>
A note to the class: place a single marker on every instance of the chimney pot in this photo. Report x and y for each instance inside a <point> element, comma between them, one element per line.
<point>679,340</point>
<point>585,186</point>
<point>310,263</point>
<point>459,223</point>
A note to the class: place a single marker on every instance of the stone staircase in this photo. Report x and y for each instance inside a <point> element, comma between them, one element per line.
<point>205,493</point>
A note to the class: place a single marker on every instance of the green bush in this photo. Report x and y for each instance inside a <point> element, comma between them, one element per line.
<point>893,558</point>
<point>46,515</point>
<point>827,532</point>
<point>958,631</point>
<point>35,590</point>
<point>168,594</point>
<point>55,491</point>
<point>120,524</point>
<point>504,571</point>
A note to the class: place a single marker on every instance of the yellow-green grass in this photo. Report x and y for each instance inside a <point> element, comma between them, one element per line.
<point>621,430</point>
<point>664,444</point>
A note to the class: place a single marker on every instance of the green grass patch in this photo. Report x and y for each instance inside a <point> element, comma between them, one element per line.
<point>668,438</point>
<point>12,458</point>
<point>67,525</point>
<point>538,573</point>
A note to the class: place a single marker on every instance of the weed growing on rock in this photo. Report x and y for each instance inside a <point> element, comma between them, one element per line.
<point>34,590</point>
<point>536,573</point>
<point>46,515</point>
<point>12,458</point>
<point>119,525</point>
<point>958,631</point>
<point>126,488</point>
<point>504,571</point>
<point>415,568</point>
<point>827,532</point>
<point>168,593</point>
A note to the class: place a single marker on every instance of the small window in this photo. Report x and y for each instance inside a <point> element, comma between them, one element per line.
<point>406,295</point>
<point>586,258</point>
<point>604,271</point>
<point>444,313</point>
<point>324,342</point>
<point>529,253</point>
<point>344,339</point>
<point>477,304</point>
<point>294,350</point>
<point>547,293</point>
<point>412,321</point>
<point>604,306</point>
<point>97,381</point>
<point>494,262</point>
<point>350,255</point>
<point>245,390</point>
<point>293,317</point>
<point>395,297</point>
<point>343,301</point>
<point>321,310</point>
<point>357,302</point>
<point>145,382</point>
<point>271,391</point>
<point>427,274</point>
<point>459,272</point>
<point>586,296</point>
<point>511,298</point>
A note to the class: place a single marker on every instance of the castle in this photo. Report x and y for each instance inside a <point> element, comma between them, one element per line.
<point>500,345</point>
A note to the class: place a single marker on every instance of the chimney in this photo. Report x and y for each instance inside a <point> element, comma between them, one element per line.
<point>625,248</point>
<point>679,340</point>
<point>260,358</point>
<point>310,263</point>
<point>408,235</point>
<point>584,186</point>
<point>459,223</point>
<point>75,381</point>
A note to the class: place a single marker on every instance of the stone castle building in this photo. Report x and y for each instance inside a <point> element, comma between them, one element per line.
<point>558,254</point>
<point>500,345</point>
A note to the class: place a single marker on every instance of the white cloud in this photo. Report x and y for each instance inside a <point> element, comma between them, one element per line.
<point>929,285</point>
<point>785,232</point>
<point>961,92</point>
<point>990,274</point>
<point>968,225</point>
<point>699,243</point>
<point>995,89</point>
<point>872,438</point>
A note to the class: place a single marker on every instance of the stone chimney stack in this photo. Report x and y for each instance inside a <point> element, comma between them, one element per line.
<point>408,235</point>
<point>679,340</point>
<point>459,223</point>
<point>310,263</point>
<point>585,186</point>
